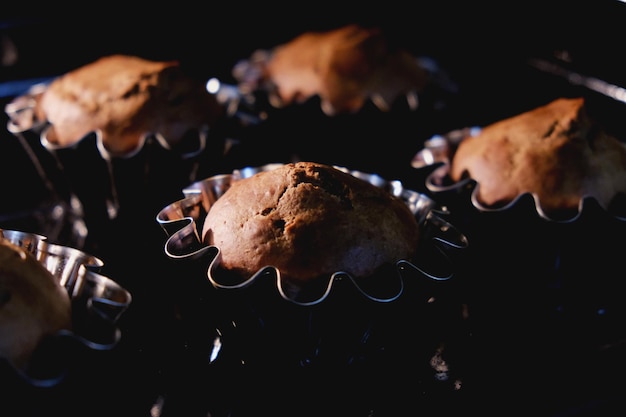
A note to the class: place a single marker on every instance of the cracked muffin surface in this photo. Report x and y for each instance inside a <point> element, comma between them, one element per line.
<point>308,220</point>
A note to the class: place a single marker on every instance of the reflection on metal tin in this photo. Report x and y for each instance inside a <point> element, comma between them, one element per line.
<point>98,302</point>
<point>437,155</point>
<point>182,223</point>
<point>23,117</point>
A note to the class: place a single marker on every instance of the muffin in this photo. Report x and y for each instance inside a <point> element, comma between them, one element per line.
<point>556,152</point>
<point>344,67</point>
<point>309,220</point>
<point>537,195</point>
<point>125,98</point>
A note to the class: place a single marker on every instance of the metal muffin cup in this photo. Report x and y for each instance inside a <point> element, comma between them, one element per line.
<point>437,154</point>
<point>264,323</point>
<point>192,145</point>
<point>182,222</point>
<point>31,242</point>
<point>97,303</point>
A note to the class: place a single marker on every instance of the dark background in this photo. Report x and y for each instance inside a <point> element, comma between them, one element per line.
<point>486,48</point>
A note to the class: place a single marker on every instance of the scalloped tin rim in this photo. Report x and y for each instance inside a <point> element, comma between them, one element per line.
<point>22,118</point>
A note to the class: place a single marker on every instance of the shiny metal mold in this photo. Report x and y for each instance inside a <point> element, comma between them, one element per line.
<point>182,223</point>
<point>252,82</point>
<point>436,156</point>
<point>33,132</point>
<point>23,117</point>
<point>548,272</point>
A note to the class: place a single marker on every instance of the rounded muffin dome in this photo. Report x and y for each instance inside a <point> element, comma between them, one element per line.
<point>307,220</point>
<point>556,151</point>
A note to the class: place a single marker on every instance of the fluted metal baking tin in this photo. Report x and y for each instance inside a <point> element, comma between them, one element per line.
<point>437,154</point>
<point>23,117</point>
<point>97,301</point>
<point>182,222</point>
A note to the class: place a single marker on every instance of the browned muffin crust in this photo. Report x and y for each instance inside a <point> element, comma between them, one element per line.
<point>308,220</point>
<point>125,97</point>
<point>555,151</point>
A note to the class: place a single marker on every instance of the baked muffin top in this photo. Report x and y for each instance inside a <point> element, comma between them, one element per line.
<point>309,220</point>
<point>556,152</point>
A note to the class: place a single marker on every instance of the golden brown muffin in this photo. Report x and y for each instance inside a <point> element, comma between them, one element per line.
<point>125,97</point>
<point>309,220</point>
<point>344,67</point>
<point>555,151</point>
<point>33,305</point>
